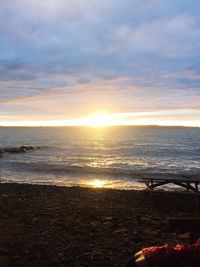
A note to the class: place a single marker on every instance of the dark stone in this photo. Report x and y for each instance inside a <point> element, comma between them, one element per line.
<point>21,149</point>
<point>14,150</point>
<point>27,147</point>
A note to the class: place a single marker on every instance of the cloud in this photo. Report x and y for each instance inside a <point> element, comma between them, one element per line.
<point>168,37</point>
<point>71,57</point>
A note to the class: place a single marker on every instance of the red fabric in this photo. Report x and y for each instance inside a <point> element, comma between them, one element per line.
<point>173,256</point>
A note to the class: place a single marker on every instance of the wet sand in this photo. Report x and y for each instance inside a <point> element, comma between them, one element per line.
<point>73,227</point>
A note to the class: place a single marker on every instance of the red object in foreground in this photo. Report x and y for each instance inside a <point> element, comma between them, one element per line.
<point>173,256</point>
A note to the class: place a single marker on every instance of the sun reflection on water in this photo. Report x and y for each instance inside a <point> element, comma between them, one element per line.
<point>124,184</point>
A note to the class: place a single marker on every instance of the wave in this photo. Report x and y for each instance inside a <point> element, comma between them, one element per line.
<point>60,169</point>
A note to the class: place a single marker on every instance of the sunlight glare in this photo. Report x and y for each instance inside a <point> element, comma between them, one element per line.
<point>99,120</point>
<point>97,183</point>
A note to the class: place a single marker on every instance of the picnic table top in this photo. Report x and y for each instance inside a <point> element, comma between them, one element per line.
<point>171,179</point>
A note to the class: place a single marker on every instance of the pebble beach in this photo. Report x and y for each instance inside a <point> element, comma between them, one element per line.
<point>44,225</point>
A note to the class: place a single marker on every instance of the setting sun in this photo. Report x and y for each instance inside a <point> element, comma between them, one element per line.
<point>100,120</point>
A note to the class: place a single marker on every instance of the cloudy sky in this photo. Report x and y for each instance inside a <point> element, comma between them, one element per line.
<point>64,60</point>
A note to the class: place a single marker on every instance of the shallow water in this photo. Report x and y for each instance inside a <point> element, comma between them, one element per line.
<point>80,155</point>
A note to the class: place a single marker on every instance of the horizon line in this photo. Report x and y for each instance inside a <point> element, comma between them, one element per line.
<point>102,126</point>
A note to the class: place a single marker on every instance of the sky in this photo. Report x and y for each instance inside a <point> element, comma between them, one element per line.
<point>74,62</point>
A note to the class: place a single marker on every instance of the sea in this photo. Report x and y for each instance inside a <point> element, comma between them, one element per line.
<point>111,157</point>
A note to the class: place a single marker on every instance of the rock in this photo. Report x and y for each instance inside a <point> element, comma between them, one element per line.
<point>35,219</point>
<point>21,149</point>
<point>150,221</point>
<point>120,230</point>
<point>4,195</point>
<point>14,150</point>
<point>95,223</point>
<point>108,218</point>
<point>184,236</point>
<point>27,147</point>
<point>108,224</point>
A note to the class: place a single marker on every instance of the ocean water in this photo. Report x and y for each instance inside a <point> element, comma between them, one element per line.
<point>115,156</point>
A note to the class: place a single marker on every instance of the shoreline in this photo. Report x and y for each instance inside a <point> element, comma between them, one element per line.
<point>47,225</point>
<point>132,182</point>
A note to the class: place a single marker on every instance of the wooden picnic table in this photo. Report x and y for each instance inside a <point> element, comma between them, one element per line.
<point>190,185</point>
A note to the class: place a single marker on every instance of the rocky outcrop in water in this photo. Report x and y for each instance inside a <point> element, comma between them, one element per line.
<point>28,147</point>
<point>14,150</point>
<point>17,150</point>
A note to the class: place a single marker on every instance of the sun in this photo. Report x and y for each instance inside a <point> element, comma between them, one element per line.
<point>100,120</point>
<point>97,183</point>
